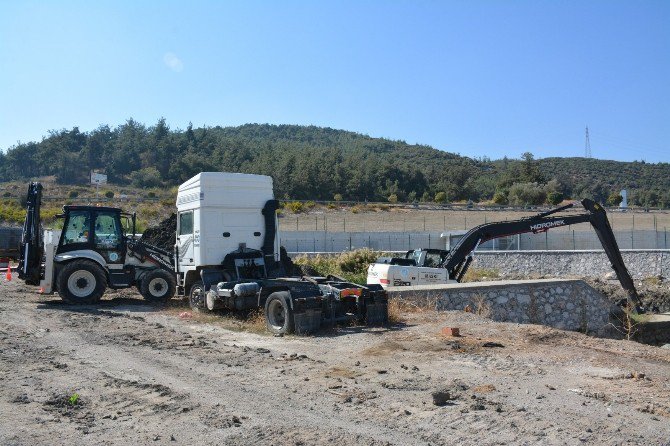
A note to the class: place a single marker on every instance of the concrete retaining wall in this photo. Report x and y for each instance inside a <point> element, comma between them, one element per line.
<point>565,304</point>
<point>640,263</point>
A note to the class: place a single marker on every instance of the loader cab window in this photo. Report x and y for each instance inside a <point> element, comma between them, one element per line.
<point>186,223</point>
<point>107,230</point>
<point>77,228</point>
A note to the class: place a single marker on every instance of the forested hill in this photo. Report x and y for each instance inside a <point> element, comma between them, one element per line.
<point>310,162</point>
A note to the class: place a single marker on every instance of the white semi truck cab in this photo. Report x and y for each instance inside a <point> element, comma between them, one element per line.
<point>220,213</point>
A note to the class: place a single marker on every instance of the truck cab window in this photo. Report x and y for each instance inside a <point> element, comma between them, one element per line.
<point>186,223</point>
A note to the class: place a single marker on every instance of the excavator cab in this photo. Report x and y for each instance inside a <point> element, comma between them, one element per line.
<point>429,258</point>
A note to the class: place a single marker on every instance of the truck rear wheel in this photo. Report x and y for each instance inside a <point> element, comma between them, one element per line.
<point>279,314</point>
<point>81,282</point>
<point>158,286</point>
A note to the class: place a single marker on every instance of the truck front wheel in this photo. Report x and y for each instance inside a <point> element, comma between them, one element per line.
<point>197,298</point>
<point>279,314</point>
<point>81,282</point>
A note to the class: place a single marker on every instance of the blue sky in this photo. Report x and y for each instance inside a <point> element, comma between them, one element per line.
<point>480,78</point>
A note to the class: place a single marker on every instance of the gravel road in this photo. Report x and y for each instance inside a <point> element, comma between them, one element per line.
<point>127,373</point>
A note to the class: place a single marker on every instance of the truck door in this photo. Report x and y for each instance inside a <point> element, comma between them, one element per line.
<point>185,238</point>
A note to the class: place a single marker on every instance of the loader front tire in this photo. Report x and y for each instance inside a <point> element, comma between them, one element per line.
<point>81,282</point>
<point>279,314</point>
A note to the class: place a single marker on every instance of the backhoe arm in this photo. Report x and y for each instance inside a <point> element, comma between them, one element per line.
<point>31,238</point>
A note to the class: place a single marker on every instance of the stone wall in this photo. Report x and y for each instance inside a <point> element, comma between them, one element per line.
<point>640,263</point>
<point>565,303</point>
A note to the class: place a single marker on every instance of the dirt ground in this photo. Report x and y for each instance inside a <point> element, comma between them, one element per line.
<point>144,375</point>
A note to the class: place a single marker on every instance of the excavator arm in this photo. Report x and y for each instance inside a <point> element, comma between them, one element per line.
<point>459,257</point>
<point>32,249</point>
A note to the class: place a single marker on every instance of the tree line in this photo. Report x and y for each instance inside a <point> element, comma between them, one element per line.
<point>308,162</point>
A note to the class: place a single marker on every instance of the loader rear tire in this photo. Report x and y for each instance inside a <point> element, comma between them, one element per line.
<point>279,314</point>
<point>81,282</point>
<point>158,286</point>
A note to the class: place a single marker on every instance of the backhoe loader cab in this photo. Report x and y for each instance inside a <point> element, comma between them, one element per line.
<point>90,254</point>
<point>93,231</point>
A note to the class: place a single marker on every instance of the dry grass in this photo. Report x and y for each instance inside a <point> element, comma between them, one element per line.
<point>384,348</point>
<point>248,321</point>
<point>482,308</point>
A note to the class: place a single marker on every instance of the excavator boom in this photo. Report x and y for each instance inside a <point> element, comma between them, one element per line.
<point>459,257</point>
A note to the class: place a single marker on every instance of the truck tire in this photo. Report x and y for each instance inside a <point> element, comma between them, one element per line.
<point>81,282</point>
<point>279,314</point>
<point>196,297</point>
<point>158,285</point>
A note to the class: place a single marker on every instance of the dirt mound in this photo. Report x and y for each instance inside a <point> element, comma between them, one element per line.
<point>162,235</point>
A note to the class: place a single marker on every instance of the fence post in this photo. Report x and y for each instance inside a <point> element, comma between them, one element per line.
<point>465,222</point>
<point>444,221</point>
<point>429,240</point>
<point>296,222</point>
<point>314,244</point>
<point>345,223</point>
<point>574,246</point>
<point>349,242</point>
<point>424,223</point>
<point>316,222</point>
<point>409,241</point>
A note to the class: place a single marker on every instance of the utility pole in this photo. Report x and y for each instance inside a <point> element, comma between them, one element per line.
<point>587,145</point>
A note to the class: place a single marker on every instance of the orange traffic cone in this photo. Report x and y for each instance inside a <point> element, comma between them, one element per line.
<point>8,276</point>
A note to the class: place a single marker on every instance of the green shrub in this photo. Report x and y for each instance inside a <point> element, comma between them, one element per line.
<point>7,194</point>
<point>554,197</point>
<point>500,198</point>
<point>355,209</point>
<point>310,204</point>
<point>147,177</point>
<point>527,193</point>
<point>352,266</point>
<point>73,194</point>
<point>614,199</point>
<point>337,197</point>
<point>441,197</point>
<point>393,198</point>
<point>109,194</point>
<point>295,206</point>
<point>331,206</point>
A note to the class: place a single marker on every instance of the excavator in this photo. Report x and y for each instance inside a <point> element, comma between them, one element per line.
<point>434,266</point>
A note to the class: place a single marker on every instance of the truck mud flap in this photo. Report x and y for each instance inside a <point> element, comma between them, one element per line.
<point>376,312</point>
<point>307,321</point>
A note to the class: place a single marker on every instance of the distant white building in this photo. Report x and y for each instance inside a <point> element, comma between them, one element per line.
<point>624,202</point>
